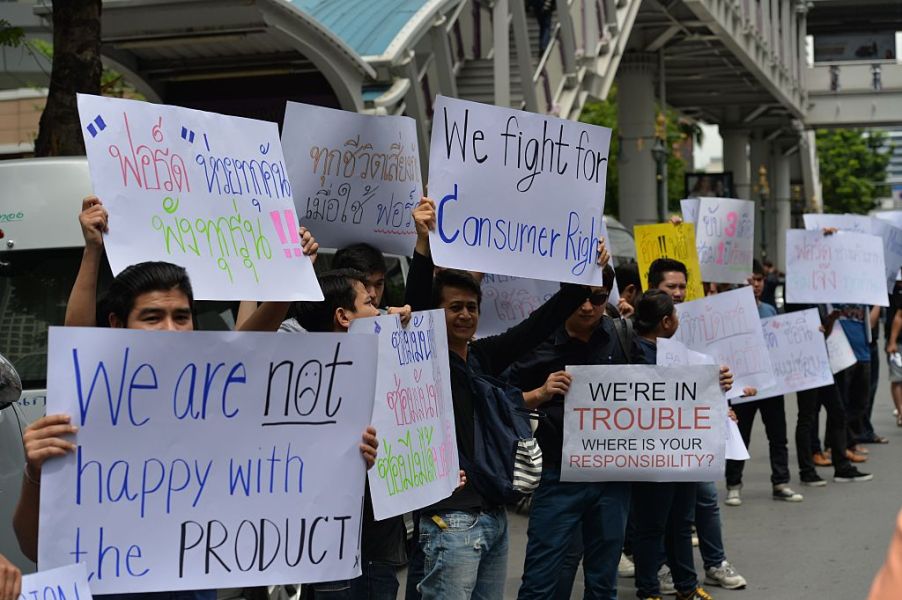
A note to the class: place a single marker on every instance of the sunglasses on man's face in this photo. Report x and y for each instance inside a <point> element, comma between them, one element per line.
<point>598,298</point>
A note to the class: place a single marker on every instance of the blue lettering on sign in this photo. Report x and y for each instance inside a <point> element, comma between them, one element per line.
<point>580,246</point>
<point>84,400</point>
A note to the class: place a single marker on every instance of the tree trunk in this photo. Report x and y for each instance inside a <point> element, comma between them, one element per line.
<point>76,68</point>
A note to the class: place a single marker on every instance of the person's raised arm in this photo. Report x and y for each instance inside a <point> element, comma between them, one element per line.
<point>268,316</point>
<point>43,440</point>
<point>558,383</point>
<point>418,291</point>
<point>81,310</point>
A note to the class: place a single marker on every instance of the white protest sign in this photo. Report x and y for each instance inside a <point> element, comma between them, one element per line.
<point>727,327</point>
<point>840,350</point>
<point>842,268</point>
<point>893,217</point>
<point>798,353</point>
<point>689,208</point>
<point>888,232</point>
<point>69,582</point>
<point>736,449</point>
<point>518,193</point>
<point>201,190</point>
<point>356,178</point>
<point>643,423</point>
<point>207,459</point>
<point>413,414</point>
<point>672,353</point>
<point>725,236</point>
<point>506,301</point>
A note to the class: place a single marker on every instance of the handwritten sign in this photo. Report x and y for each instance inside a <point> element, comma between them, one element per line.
<point>798,353</point>
<point>894,217</point>
<point>840,350</point>
<point>689,208</point>
<point>70,582</point>
<point>207,459</point>
<point>725,235</point>
<point>672,353</point>
<point>201,190</point>
<point>643,423</point>
<point>356,177</point>
<point>518,193</point>
<point>666,240</point>
<point>417,463</point>
<point>727,327</point>
<point>843,268</point>
<point>887,231</point>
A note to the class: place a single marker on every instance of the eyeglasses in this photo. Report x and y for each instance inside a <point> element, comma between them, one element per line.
<point>598,298</point>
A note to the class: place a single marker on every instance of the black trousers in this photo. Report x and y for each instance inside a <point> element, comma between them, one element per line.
<point>854,386</point>
<point>774,418</point>
<point>835,435</point>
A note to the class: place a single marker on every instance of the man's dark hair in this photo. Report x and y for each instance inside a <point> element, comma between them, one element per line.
<point>653,306</point>
<point>361,257</point>
<point>664,265</point>
<point>628,275</point>
<point>456,279</point>
<point>338,292</point>
<point>757,269</point>
<point>119,298</point>
<point>769,264</point>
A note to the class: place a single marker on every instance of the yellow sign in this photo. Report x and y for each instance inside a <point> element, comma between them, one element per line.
<point>666,240</point>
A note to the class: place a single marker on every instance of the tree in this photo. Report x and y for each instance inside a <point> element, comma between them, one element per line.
<point>76,68</point>
<point>10,35</point>
<point>853,169</point>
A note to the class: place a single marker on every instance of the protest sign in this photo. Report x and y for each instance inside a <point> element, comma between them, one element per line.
<point>798,353</point>
<point>506,301</point>
<point>356,178</point>
<point>843,268</point>
<point>412,413</point>
<point>643,423</point>
<point>207,459</point>
<point>839,350</point>
<point>894,217</point>
<point>724,234</point>
<point>518,193</point>
<point>202,190</point>
<point>689,208</point>
<point>69,582</point>
<point>889,233</point>
<point>736,449</point>
<point>672,353</point>
<point>666,240</point>
<point>727,327</point>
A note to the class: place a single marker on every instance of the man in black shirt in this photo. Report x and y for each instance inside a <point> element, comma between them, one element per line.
<point>464,538</point>
<point>595,511</point>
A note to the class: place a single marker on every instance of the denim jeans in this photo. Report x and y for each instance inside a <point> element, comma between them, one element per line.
<point>467,559</point>
<point>570,565</point>
<point>774,418</point>
<point>663,510</point>
<point>559,509</point>
<point>707,524</point>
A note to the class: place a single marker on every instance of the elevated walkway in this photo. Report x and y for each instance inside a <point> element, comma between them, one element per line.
<point>854,95</point>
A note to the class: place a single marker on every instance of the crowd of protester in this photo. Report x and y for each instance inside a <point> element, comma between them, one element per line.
<point>459,546</point>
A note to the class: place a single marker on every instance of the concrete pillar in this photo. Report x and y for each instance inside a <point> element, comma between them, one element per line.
<point>736,159</point>
<point>444,62</point>
<point>759,155</point>
<point>783,213</point>
<point>502,58</point>
<point>636,116</point>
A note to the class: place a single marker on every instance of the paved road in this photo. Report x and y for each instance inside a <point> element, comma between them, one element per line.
<point>827,547</point>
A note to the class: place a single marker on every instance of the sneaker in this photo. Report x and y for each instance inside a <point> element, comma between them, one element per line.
<point>698,593</point>
<point>725,576</point>
<point>814,481</point>
<point>665,581</point>
<point>822,459</point>
<point>851,475</point>
<point>626,568</point>
<point>694,537</point>
<point>784,492</point>
<point>855,457</point>
<point>733,497</point>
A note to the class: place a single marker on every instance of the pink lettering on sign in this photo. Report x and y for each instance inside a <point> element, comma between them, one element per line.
<point>150,168</point>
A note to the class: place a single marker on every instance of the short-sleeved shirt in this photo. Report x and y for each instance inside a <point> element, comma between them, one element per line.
<point>766,310</point>
<point>854,322</point>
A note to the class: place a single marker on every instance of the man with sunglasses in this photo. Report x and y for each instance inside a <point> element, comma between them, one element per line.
<point>564,515</point>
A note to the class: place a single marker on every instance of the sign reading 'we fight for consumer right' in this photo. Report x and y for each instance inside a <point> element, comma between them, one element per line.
<point>517,193</point>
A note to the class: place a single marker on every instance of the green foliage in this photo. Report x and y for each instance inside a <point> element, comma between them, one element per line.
<point>853,169</point>
<point>9,35</point>
<point>604,113</point>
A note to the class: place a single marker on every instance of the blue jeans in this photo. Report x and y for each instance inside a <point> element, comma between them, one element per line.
<point>559,510</point>
<point>663,510</point>
<point>707,523</point>
<point>569,566</point>
<point>467,559</point>
<point>377,582</point>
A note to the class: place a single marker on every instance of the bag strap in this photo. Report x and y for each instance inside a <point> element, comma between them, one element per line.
<point>624,329</point>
